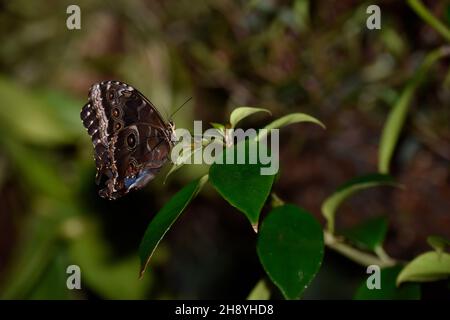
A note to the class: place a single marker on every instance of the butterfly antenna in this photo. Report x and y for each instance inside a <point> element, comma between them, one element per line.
<point>178,109</point>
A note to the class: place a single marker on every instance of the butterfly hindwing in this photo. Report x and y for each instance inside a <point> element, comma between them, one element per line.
<point>131,139</point>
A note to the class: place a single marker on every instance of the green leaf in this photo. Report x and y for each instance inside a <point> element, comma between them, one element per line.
<point>36,170</point>
<point>65,108</point>
<point>52,283</point>
<point>429,18</point>
<point>38,244</point>
<point>331,204</point>
<point>33,255</point>
<point>165,218</point>
<point>397,116</point>
<point>30,118</point>
<point>107,276</point>
<point>369,234</point>
<point>429,266</point>
<point>290,247</point>
<point>259,292</point>
<point>289,119</point>
<point>243,112</point>
<point>218,126</point>
<point>438,243</point>
<point>388,290</point>
<point>242,185</point>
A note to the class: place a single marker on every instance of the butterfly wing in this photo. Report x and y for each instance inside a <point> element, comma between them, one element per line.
<point>131,139</point>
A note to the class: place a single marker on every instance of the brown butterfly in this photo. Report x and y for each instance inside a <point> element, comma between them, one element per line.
<point>131,139</point>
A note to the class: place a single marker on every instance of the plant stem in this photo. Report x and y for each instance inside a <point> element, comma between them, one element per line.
<point>354,254</point>
<point>358,256</point>
<point>276,200</point>
<point>383,255</point>
<point>429,18</point>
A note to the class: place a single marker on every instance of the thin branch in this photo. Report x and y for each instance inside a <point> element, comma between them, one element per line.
<point>356,255</point>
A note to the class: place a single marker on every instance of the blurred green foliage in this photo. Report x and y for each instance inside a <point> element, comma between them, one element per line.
<point>289,56</point>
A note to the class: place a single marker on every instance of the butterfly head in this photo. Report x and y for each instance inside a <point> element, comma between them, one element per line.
<point>173,136</point>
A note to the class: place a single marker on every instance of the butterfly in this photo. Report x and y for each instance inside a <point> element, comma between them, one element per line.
<point>131,139</point>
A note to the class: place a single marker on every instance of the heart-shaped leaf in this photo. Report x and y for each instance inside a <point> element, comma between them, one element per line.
<point>428,16</point>
<point>370,234</point>
<point>243,112</point>
<point>36,170</point>
<point>429,266</point>
<point>331,204</point>
<point>33,119</point>
<point>242,185</point>
<point>165,218</point>
<point>388,290</point>
<point>290,247</point>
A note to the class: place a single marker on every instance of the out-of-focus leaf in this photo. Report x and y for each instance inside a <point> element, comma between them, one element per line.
<point>33,254</point>
<point>52,283</point>
<point>429,18</point>
<point>388,290</point>
<point>302,10</point>
<point>289,119</point>
<point>393,41</point>
<point>259,292</point>
<point>28,118</point>
<point>109,278</point>
<point>66,109</point>
<point>290,247</point>
<point>429,266</point>
<point>243,112</point>
<point>242,185</point>
<point>438,243</point>
<point>165,218</point>
<point>369,234</point>
<point>36,171</point>
<point>331,204</point>
<point>397,116</point>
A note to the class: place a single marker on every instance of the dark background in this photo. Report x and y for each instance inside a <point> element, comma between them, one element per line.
<point>316,57</point>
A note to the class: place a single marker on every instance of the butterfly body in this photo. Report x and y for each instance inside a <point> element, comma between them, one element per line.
<point>131,139</point>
